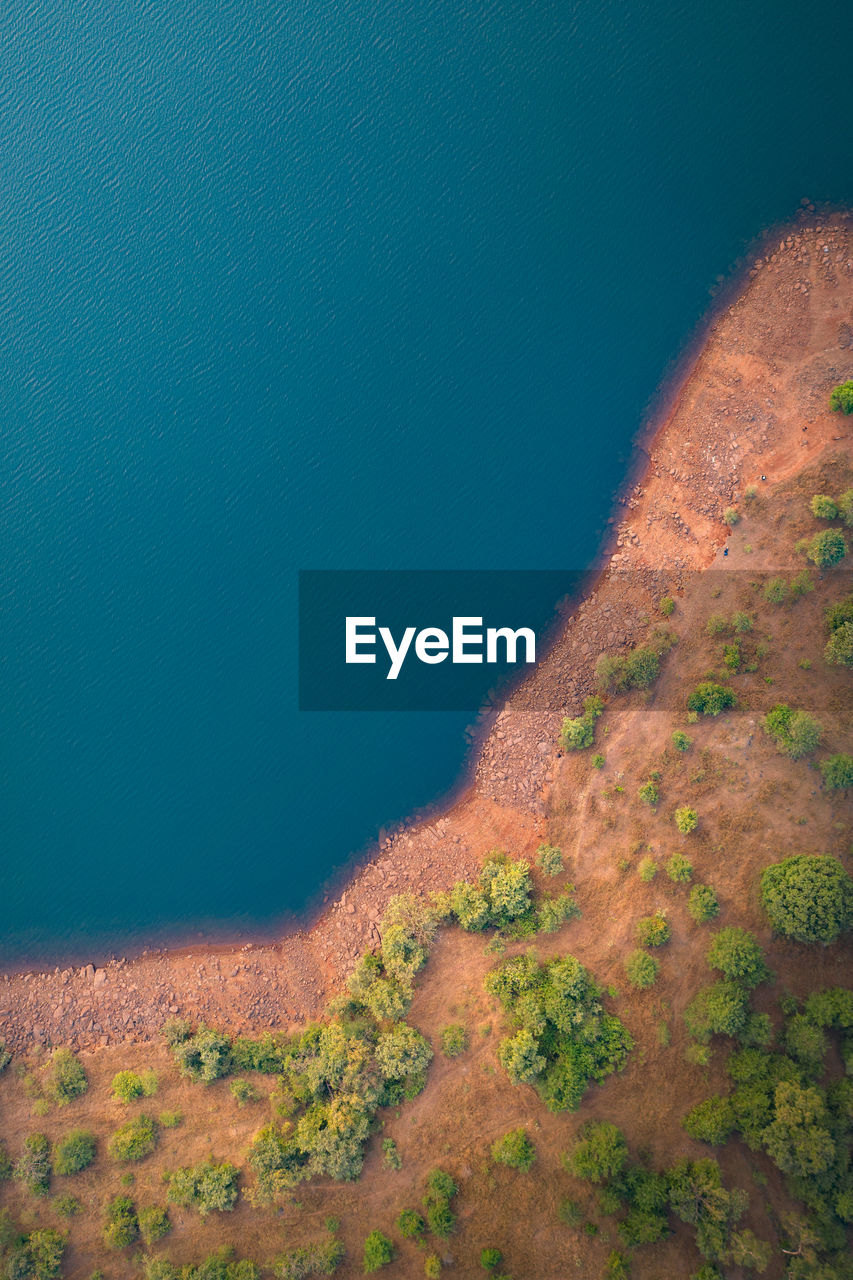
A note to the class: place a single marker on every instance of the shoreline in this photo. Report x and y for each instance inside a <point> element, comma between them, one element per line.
<point>666,521</point>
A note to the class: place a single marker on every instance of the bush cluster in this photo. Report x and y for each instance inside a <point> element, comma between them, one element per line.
<point>565,1038</point>
<point>205,1187</point>
<point>796,733</point>
<point>578,732</point>
<point>637,669</point>
<point>710,699</point>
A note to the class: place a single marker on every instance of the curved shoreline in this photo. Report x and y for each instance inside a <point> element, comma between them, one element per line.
<point>755,348</point>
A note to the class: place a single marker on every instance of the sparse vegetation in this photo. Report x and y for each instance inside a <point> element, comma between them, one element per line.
<point>34,1166</point>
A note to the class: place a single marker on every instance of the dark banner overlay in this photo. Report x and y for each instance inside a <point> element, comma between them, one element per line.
<point>455,640</point>
<point>438,640</point>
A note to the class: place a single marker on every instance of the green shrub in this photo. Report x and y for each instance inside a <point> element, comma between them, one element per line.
<point>845,506</point>
<point>667,606</point>
<point>710,699</point>
<point>808,897</point>
<point>318,1258</point>
<point>67,1206</point>
<point>520,1057</point>
<point>440,1190</point>
<point>702,903</point>
<point>653,931</point>
<point>410,1224</point>
<point>205,1187</point>
<point>641,969</point>
<point>717,624</point>
<point>37,1255</point>
<point>795,733</point>
<point>649,793</point>
<point>711,1121</point>
<point>579,732</point>
<point>7,1169</point>
<point>635,670</point>
<point>203,1056</point>
<point>600,1152</point>
<point>686,819</point>
<point>549,860</point>
<point>74,1152</point>
<point>647,869</point>
<point>776,591</point>
<point>391,1157</point>
<point>128,1085</point>
<point>5,1056</point>
<point>679,869</point>
<point>718,1010</point>
<point>841,398</point>
<point>515,1150</point>
<point>837,772</point>
<point>826,548</point>
<point>33,1167</point>
<point>122,1225</point>
<point>823,507</point>
<point>737,955</point>
<point>134,1140</point>
<point>170,1119</point>
<point>742,622</point>
<point>243,1091</point>
<point>154,1224</point>
<point>680,740</point>
<point>454,1040</point>
<point>598,761</point>
<point>491,1259</point>
<point>65,1079</point>
<point>839,646</point>
<point>378,1251</point>
<point>432,1266</point>
<point>553,913</point>
<point>731,517</point>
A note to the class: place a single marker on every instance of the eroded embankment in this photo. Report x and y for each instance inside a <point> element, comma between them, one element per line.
<point>751,411</point>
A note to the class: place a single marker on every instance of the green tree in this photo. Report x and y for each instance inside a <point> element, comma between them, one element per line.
<point>154,1224</point>
<point>205,1187</point>
<point>122,1225</point>
<point>721,1009</point>
<point>454,1040</point>
<point>653,931</point>
<point>686,819</point>
<point>402,1052</point>
<point>703,904</point>
<point>520,1057</point>
<point>798,1139</point>
<point>711,1121</point>
<point>600,1152</point>
<point>34,1166</point>
<point>795,733</point>
<point>839,646</point>
<point>549,860</point>
<point>826,548</point>
<point>737,955</point>
<point>378,1251</point>
<point>66,1079</point>
<point>808,897</point>
<point>837,772</point>
<point>710,699</point>
<point>410,1224</point>
<point>74,1152</point>
<point>823,507</point>
<point>841,398</point>
<point>134,1140</point>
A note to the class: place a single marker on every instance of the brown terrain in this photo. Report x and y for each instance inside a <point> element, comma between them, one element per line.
<point>752,411</point>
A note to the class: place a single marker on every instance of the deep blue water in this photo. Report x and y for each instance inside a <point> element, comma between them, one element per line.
<point>366,284</point>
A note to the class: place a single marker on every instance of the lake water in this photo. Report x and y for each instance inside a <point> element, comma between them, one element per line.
<point>365,284</point>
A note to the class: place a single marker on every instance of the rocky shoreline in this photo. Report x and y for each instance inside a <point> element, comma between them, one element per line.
<point>751,410</point>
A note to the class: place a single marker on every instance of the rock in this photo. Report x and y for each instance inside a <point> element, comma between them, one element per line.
<point>99,977</point>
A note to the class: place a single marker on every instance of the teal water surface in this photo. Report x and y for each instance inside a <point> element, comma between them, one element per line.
<point>364,284</point>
